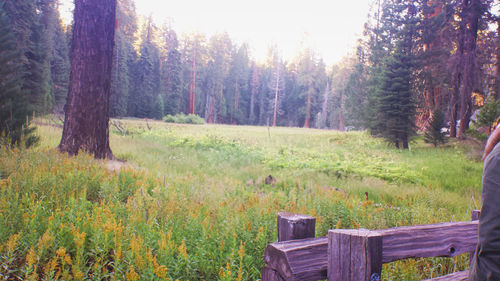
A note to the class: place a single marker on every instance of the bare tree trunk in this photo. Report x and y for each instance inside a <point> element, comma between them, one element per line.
<point>341,113</point>
<point>308,110</point>
<point>324,107</point>
<point>86,124</point>
<point>276,92</point>
<point>192,86</point>
<point>255,86</point>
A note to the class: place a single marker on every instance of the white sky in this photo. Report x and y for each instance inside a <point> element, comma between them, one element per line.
<point>330,27</point>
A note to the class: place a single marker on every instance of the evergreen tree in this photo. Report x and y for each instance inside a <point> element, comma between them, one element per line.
<point>15,111</point>
<point>395,105</point>
<point>124,55</point>
<point>59,68</point>
<point>433,133</point>
<point>172,74</point>
<point>489,113</point>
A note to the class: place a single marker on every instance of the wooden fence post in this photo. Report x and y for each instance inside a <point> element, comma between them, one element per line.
<point>354,255</point>
<point>295,226</point>
<point>290,227</point>
<point>475,216</point>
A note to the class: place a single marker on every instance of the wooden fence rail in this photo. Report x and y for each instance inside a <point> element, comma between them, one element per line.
<point>358,254</point>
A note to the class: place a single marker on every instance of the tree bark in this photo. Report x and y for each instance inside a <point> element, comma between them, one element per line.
<point>471,14</point>
<point>86,124</point>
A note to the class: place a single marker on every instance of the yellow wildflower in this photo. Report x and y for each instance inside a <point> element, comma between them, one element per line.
<point>132,275</point>
<point>339,224</point>
<point>31,257</point>
<point>67,259</point>
<point>77,274</point>
<point>136,244</point>
<point>61,252</point>
<point>79,238</point>
<point>161,271</point>
<point>241,251</point>
<point>221,272</point>
<point>11,244</point>
<point>182,249</point>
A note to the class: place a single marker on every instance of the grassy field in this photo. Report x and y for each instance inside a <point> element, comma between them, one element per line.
<point>191,203</point>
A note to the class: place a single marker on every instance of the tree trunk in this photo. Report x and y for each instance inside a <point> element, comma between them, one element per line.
<point>471,14</point>
<point>497,64</point>
<point>276,92</point>
<point>308,108</point>
<point>86,124</point>
<point>341,113</point>
<point>255,88</point>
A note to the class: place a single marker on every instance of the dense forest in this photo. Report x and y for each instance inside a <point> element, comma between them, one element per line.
<point>414,58</point>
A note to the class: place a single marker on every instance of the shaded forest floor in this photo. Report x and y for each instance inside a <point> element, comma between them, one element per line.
<point>194,198</point>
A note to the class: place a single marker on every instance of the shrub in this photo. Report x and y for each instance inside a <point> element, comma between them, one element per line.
<point>433,133</point>
<point>184,119</point>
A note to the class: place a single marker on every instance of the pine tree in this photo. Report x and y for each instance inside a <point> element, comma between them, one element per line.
<point>15,110</point>
<point>86,122</point>
<point>395,105</point>
<point>433,133</point>
<point>172,74</point>
<point>488,113</point>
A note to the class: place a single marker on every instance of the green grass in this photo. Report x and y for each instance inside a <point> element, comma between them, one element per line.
<point>192,199</point>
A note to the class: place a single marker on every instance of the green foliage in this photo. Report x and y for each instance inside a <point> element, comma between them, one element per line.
<point>488,113</point>
<point>184,119</point>
<point>395,107</point>
<point>191,202</point>
<point>433,134</point>
<point>15,111</point>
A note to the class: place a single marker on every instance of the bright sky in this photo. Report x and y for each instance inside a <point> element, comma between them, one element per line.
<point>330,27</point>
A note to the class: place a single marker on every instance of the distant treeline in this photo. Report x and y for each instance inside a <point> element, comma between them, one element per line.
<point>414,57</point>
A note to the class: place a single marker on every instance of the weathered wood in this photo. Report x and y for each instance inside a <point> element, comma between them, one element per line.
<point>269,274</point>
<point>475,215</point>
<point>432,240</point>
<point>456,276</point>
<point>295,226</point>
<point>304,259</point>
<point>354,254</point>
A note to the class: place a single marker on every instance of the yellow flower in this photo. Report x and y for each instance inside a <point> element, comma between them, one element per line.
<point>79,238</point>
<point>161,271</point>
<point>67,259</point>
<point>11,244</point>
<point>77,274</point>
<point>31,257</point>
<point>132,275</point>
<point>221,272</point>
<point>61,252</point>
<point>136,244</point>
<point>241,251</point>
<point>182,249</point>
<point>339,224</point>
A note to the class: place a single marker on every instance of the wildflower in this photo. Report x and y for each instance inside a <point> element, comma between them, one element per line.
<point>11,244</point>
<point>132,275</point>
<point>45,240</point>
<point>241,251</point>
<point>136,244</point>
<point>67,259</point>
<point>61,252</point>
<point>77,274</point>
<point>221,272</point>
<point>79,238</point>
<point>31,257</point>
<point>339,224</point>
<point>182,249</point>
<point>161,271</point>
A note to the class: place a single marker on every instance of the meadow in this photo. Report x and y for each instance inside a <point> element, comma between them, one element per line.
<point>190,202</point>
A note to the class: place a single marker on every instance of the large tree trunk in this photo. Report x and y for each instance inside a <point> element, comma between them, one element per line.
<point>471,13</point>
<point>255,88</point>
<point>86,124</point>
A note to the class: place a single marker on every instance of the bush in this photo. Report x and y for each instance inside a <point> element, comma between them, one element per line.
<point>433,133</point>
<point>184,119</point>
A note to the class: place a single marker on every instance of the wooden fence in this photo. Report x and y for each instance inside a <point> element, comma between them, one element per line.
<point>358,254</point>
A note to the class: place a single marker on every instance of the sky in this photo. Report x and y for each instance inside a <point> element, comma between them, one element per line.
<point>330,27</point>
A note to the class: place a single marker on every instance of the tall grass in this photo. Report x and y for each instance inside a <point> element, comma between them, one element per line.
<point>192,204</point>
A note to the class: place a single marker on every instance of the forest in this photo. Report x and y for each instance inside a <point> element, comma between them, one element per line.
<point>98,183</point>
<point>430,55</point>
